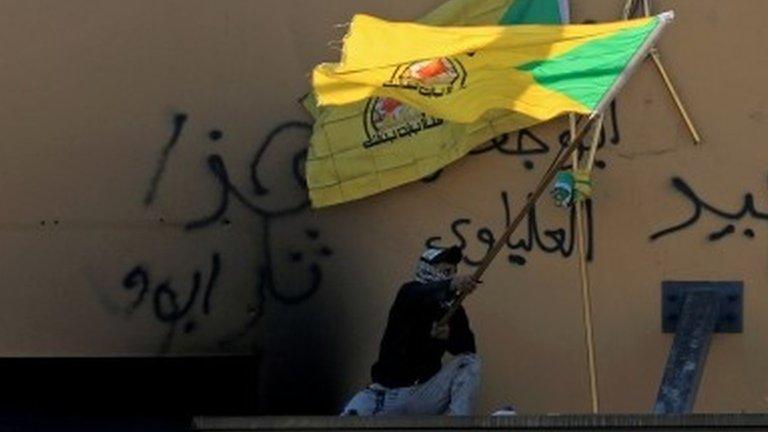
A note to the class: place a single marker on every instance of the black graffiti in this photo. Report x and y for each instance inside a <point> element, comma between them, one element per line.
<point>178,126</point>
<point>632,9</point>
<point>728,230</point>
<point>218,169</point>
<point>554,241</point>
<point>700,206</point>
<point>258,186</point>
<point>526,144</point>
<point>266,286</point>
<point>166,304</point>
<point>615,132</point>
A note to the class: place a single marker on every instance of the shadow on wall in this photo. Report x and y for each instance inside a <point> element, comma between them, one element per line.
<point>302,369</point>
<point>290,327</point>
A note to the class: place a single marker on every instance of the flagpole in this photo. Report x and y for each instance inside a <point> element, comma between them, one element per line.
<point>530,203</point>
<point>675,97</point>
<point>628,6</point>
<point>586,297</point>
<point>595,143</point>
<point>641,53</point>
<point>671,87</point>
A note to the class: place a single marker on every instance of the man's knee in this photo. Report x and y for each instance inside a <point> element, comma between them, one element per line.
<point>467,364</point>
<point>364,403</point>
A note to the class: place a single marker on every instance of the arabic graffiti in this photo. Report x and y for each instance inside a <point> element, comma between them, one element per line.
<point>219,171</point>
<point>178,125</point>
<point>554,241</point>
<point>266,283</point>
<point>169,306</point>
<point>700,207</point>
<point>527,144</point>
<point>164,300</point>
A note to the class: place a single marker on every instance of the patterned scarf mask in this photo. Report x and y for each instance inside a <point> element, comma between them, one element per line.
<point>428,273</point>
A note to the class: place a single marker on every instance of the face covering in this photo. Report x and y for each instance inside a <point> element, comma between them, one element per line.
<point>429,273</point>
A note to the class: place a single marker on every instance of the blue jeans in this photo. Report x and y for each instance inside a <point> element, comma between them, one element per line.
<point>451,391</point>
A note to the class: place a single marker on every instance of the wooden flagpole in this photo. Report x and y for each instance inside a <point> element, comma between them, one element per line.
<point>586,297</point>
<point>595,143</point>
<point>654,54</point>
<point>675,97</point>
<point>540,188</point>
<point>559,162</point>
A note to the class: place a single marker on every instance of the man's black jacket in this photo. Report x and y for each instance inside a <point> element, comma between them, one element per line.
<point>408,354</point>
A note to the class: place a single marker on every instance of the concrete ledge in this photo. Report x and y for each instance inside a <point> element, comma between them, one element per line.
<point>697,422</point>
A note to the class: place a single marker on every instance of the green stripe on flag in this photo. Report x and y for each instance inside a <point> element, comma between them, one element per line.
<point>586,72</point>
<point>533,11</point>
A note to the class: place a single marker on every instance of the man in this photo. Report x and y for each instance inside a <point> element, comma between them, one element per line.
<point>408,377</point>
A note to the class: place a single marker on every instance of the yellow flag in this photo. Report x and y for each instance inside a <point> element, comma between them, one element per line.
<point>460,73</point>
<point>485,12</point>
<point>373,145</point>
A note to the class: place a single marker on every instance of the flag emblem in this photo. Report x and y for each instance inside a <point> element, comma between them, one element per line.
<point>432,78</point>
<point>387,119</point>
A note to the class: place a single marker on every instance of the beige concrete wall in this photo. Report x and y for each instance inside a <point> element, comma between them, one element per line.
<point>101,249</point>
